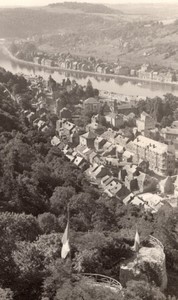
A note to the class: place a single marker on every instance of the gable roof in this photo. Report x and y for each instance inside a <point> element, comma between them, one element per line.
<point>163,183</point>
<point>91,100</point>
<point>89,135</point>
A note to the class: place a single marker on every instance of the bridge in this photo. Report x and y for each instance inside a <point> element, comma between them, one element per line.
<point>102,279</point>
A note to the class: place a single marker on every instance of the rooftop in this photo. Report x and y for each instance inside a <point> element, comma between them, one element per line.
<point>89,135</point>
<point>91,100</point>
<point>144,142</point>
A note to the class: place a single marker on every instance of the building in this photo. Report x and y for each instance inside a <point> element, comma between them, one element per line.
<point>146,183</point>
<point>95,127</point>
<point>161,157</point>
<point>145,123</point>
<point>37,60</point>
<point>65,128</point>
<point>125,109</point>
<point>87,139</point>
<point>91,105</point>
<point>65,113</point>
<point>166,186</point>
<point>169,134</point>
<point>149,201</point>
<point>122,70</point>
<point>115,120</point>
<point>99,143</point>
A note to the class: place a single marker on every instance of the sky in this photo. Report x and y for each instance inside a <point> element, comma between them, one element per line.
<point>45,2</point>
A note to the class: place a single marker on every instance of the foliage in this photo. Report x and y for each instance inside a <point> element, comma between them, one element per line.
<point>162,110</point>
<point>6,294</point>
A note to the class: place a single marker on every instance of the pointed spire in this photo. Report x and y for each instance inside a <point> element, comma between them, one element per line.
<point>136,245</point>
<point>65,239</point>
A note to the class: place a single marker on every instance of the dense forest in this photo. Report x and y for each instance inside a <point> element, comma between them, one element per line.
<point>37,183</point>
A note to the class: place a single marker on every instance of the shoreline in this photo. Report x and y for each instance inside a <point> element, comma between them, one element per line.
<point>111,76</point>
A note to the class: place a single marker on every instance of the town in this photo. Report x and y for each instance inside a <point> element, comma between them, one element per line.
<point>67,61</point>
<point>126,156</point>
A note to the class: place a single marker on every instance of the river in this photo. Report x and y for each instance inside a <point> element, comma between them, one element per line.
<point>116,85</point>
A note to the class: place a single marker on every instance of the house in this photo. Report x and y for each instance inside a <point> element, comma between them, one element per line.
<point>65,113</point>
<point>91,105</point>
<point>92,156</point>
<point>131,183</point>
<point>48,62</point>
<point>95,127</point>
<point>125,109</point>
<point>41,110</point>
<point>55,141</point>
<point>115,119</point>
<point>127,156</point>
<point>128,175</point>
<point>121,140</point>
<point>143,166</point>
<point>41,124</point>
<point>169,134</point>
<point>166,185</point>
<point>37,60</point>
<point>99,69</point>
<point>145,123</point>
<point>149,201</point>
<point>31,117</point>
<point>132,170</point>
<point>105,180</point>
<point>58,106</point>
<point>119,151</point>
<point>99,143</point>
<point>98,171</point>
<point>74,137</point>
<point>107,146</point>
<point>35,122</point>
<point>122,70</point>
<point>161,157</point>
<point>174,124</point>
<point>113,188</point>
<point>45,128</point>
<point>65,128</point>
<point>88,139</point>
<point>78,161</point>
<point>146,183</point>
<point>109,135</point>
<point>133,72</point>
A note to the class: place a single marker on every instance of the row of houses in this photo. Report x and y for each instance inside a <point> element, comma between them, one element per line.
<point>146,72</point>
<point>70,62</point>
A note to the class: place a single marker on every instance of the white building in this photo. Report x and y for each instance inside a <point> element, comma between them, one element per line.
<point>161,157</point>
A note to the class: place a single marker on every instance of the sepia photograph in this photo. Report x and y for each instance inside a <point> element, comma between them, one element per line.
<point>89,150</point>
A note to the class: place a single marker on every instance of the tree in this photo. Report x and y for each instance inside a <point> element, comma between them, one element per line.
<point>139,290</point>
<point>89,90</point>
<point>48,222</point>
<point>60,199</point>
<point>86,289</point>
<point>19,227</point>
<point>6,294</point>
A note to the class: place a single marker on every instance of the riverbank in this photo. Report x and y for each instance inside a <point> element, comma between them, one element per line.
<point>71,71</point>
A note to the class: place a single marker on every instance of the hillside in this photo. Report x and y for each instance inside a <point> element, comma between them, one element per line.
<point>85,7</point>
<point>134,36</point>
<point>23,22</point>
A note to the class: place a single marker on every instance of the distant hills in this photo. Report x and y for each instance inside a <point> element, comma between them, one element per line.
<point>85,7</point>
